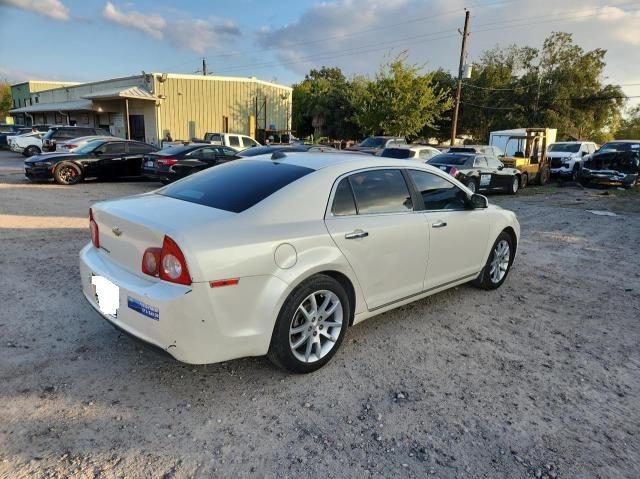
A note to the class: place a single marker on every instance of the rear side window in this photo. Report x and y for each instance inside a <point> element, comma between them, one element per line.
<point>343,202</point>
<point>113,148</point>
<point>400,153</point>
<point>236,185</point>
<point>438,193</point>
<point>248,142</point>
<point>139,148</point>
<point>234,141</point>
<point>381,191</point>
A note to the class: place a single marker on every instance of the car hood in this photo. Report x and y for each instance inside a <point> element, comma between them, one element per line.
<point>622,161</point>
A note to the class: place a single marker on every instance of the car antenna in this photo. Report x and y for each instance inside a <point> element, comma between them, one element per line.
<point>277,155</point>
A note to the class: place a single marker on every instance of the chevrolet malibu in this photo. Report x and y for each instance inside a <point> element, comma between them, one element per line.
<point>279,255</point>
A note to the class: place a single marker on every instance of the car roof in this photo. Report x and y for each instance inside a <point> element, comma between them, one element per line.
<point>343,161</point>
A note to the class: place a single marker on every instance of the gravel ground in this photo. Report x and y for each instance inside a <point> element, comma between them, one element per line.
<point>537,379</point>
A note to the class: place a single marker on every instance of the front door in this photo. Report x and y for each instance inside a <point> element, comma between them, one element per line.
<point>386,243</point>
<point>136,123</point>
<point>458,235</point>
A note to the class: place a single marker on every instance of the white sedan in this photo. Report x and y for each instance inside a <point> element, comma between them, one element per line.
<point>279,255</point>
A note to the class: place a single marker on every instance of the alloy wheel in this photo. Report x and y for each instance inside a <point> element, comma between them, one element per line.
<point>316,326</point>
<point>515,185</point>
<point>500,262</point>
<point>67,174</point>
<point>472,186</point>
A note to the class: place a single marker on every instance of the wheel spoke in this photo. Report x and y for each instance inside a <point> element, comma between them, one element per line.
<point>299,329</point>
<point>300,342</point>
<point>325,303</point>
<point>304,311</point>
<point>314,304</point>
<point>326,334</point>
<point>307,353</point>
<point>331,324</point>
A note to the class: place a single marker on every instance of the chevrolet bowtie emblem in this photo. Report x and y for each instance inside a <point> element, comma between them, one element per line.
<point>117,231</point>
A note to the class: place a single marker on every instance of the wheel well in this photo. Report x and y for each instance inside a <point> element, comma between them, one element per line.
<point>345,282</point>
<point>512,234</point>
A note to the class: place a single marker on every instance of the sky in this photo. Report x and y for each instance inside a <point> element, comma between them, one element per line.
<point>281,40</point>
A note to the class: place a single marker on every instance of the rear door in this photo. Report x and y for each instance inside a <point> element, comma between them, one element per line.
<point>135,153</point>
<point>500,177</point>
<point>457,234</point>
<point>234,142</point>
<point>372,221</point>
<point>111,159</point>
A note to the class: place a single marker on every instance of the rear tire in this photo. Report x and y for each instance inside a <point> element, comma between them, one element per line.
<point>311,325</point>
<point>31,151</point>
<point>67,174</point>
<point>472,185</point>
<point>524,180</point>
<point>498,264</point>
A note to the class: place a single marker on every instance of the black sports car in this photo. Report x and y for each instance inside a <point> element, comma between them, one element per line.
<point>615,163</point>
<point>99,158</point>
<point>478,172</point>
<point>176,162</point>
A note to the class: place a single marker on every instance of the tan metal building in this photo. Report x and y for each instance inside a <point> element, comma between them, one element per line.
<point>148,106</point>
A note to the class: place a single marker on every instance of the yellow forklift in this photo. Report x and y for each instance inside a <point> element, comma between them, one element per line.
<point>525,149</point>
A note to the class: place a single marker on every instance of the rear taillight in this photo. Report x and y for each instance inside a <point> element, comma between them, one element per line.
<point>95,232</point>
<point>151,261</point>
<point>69,147</point>
<point>167,263</point>
<point>167,161</point>
<point>453,171</point>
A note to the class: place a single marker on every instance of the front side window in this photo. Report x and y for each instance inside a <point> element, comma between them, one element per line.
<point>248,142</point>
<point>343,201</point>
<point>381,191</point>
<point>438,193</point>
<point>113,148</point>
<point>494,162</point>
<point>480,162</point>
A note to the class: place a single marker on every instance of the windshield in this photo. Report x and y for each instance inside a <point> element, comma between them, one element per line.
<point>89,147</point>
<point>565,147</point>
<point>619,146</point>
<point>449,159</point>
<point>373,142</point>
<point>400,153</point>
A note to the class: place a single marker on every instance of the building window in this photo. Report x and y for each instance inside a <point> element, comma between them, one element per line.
<point>225,124</point>
<point>37,99</point>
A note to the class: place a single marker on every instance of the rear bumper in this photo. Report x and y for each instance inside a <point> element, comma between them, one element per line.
<point>195,324</point>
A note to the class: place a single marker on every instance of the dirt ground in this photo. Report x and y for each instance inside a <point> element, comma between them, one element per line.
<point>540,378</point>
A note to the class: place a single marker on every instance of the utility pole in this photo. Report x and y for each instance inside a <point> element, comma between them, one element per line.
<point>463,53</point>
<point>204,66</point>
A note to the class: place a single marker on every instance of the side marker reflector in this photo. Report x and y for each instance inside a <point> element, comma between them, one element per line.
<point>224,282</point>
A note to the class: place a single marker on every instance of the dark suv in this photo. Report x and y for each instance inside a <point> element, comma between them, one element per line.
<point>59,134</point>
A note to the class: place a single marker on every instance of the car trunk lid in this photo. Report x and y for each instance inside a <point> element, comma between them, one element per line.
<point>129,226</point>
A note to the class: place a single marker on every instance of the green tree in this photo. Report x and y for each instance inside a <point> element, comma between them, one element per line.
<point>5,100</point>
<point>400,100</point>
<point>321,105</point>
<point>630,125</point>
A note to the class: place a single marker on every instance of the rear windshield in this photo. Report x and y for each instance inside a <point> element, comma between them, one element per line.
<point>257,150</point>
<point>565,147</point>
<point>176,150</point>
<point>236,186</point>
<point>619,146</point>
<point>449,159</point>
<point>400,153</point>
<point>373,142</point>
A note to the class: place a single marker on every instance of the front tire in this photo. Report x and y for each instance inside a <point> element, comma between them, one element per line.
<point>472,185</point>
<point>498,264</point>
<point>515,185</point>
<point>67,174</point>
<point>311,325</point>
<point>544,176</point>
<point>524,180</point>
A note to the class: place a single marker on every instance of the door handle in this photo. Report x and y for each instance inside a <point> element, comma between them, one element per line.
<point>356,234</point>
<point>439,224</point>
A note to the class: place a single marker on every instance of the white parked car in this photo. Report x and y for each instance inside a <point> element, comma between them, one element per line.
<point>280,254</point>
<point>565,157</point>
<point>71,145</point>
<point>421,153</point>
<point>29,144</point>
<point>235,141</point>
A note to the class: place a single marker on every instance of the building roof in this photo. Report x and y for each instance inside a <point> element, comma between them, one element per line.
<point>76,105</point>
<point>222,78</point>
<point>134,92</point>
<point>52,82</point>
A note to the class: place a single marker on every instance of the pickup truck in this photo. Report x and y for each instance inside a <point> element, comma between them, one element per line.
<point>234,140</point>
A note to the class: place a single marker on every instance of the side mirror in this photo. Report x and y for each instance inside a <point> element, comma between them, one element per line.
<point>585,153</point>
<point>501,167</point>
<point>478,201</point>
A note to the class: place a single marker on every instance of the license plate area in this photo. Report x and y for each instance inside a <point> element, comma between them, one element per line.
<point>107,295</point>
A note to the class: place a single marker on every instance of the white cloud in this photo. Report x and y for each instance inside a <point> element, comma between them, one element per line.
<point>201,35</point>
<point>49,8</point>
<point>197,35</point>
<point>150,23</point>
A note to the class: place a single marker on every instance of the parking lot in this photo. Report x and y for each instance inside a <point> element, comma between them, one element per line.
<point>537,379</point>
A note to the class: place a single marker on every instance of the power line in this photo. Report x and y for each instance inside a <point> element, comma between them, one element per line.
<point>592,98</point>
<point>358,50</point>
